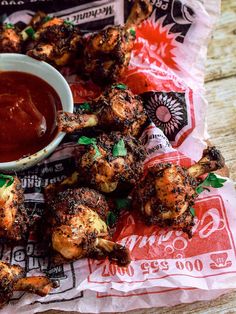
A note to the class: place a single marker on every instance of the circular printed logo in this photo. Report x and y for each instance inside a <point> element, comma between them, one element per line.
<point>167,111</point>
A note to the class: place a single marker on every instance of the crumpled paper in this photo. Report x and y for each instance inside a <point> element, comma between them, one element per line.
<point>167,268</point>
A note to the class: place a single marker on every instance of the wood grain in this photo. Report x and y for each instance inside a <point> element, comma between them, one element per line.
<point>221,60</point>
<point>221,119</point>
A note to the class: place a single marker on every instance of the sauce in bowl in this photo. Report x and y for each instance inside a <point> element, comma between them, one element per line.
<point>28,110</point>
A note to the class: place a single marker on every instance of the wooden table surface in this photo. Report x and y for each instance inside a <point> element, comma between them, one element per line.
<point>221,94</point>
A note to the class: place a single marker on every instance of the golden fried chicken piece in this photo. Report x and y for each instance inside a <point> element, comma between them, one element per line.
<point>111,162</point>
<point>117,109</point>
<point>12,278</point>
<point>13,216</point>
<point>76,227</point>
<point>10,39</point>
<point>107,53</point>
<point>56,41</point>
<point>166,194</point>
<point>39,285</point>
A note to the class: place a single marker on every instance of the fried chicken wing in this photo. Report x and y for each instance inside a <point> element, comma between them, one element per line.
<point>107,53</point>
<point>55,41</point>
<point>111,161</point>
<point>117,109</point>
<point>168,191</point>
<point>10,39</point>
<point>13,217</point>
<point>76,227</point>
<point>12,278</point>
<point>38,19</point>
<point>39,285</point>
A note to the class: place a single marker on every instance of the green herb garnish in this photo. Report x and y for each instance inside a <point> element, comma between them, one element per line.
<point>97,152</point>
<point>122,203</point>
<point>47,18</point>
<point>8,26</point>
<point>85,106</point>
<point>111,219</point>
<point>132,32</point>
<point>119,86</point>
<point>6,180</point>
<point>119,149</point>
<point>84,140</point>
<point>30,32</point>
<point>211,180</point>
<point>68,23</point>
<point>192,211</point>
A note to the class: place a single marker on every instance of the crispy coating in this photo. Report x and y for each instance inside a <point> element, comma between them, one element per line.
<point>9,274</point>
<point>69,202</point>
<point>166,194</point>
<point>76,227</point>
<point>117,109</point>
<point>107,53</point>
<point>106,172</point>
<point>211,160</point>
<point>55,41</point>
<point>39,285</point>
<point>37,19</point>
<point>12,278</point>
<point>13,216</point>
<point>10,40</point>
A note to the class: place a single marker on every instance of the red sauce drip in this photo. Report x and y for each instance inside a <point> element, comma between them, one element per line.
<point>28,108</point>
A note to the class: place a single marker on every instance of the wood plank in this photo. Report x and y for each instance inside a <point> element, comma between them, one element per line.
<point>221,60</point>
<point>221,117</point>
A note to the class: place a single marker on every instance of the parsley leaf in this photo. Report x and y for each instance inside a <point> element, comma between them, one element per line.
<point>122,203</point>
<point>119,149</point>
<point>97,152</point>
<point>68,23</point>
<point>192,211</point>
<point>85,106</point>
<point>212,180</point>
<point>8,26</point>
<point>30,32</point>
<point>47,18</point>
<point>84,140</point>
<point>111,219</point>
<point>119,86</point>
<point>132,32</point>
<point>6,180</point>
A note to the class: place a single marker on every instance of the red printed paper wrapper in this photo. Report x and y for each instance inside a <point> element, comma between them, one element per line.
<point>167,267</point>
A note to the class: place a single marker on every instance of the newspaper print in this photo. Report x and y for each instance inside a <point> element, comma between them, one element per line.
<point>165,263</point>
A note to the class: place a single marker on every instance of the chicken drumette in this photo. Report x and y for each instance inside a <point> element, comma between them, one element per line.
<point>55,41</point>
<point>167,192</point>
<point>117,109</point>
<point>107,53</point>
<point>13,216</point>
<point>76,227</point>
<point>10,39</point>
<point>12,278</point>
<point>111,162</point>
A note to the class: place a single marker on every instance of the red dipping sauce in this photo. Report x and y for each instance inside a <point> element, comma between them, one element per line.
<point>28,110</point>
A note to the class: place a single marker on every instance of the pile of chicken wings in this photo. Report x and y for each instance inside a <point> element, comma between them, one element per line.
<point>109,164</point>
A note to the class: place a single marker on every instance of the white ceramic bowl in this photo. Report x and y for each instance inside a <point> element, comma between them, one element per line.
<point>22,63</point>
